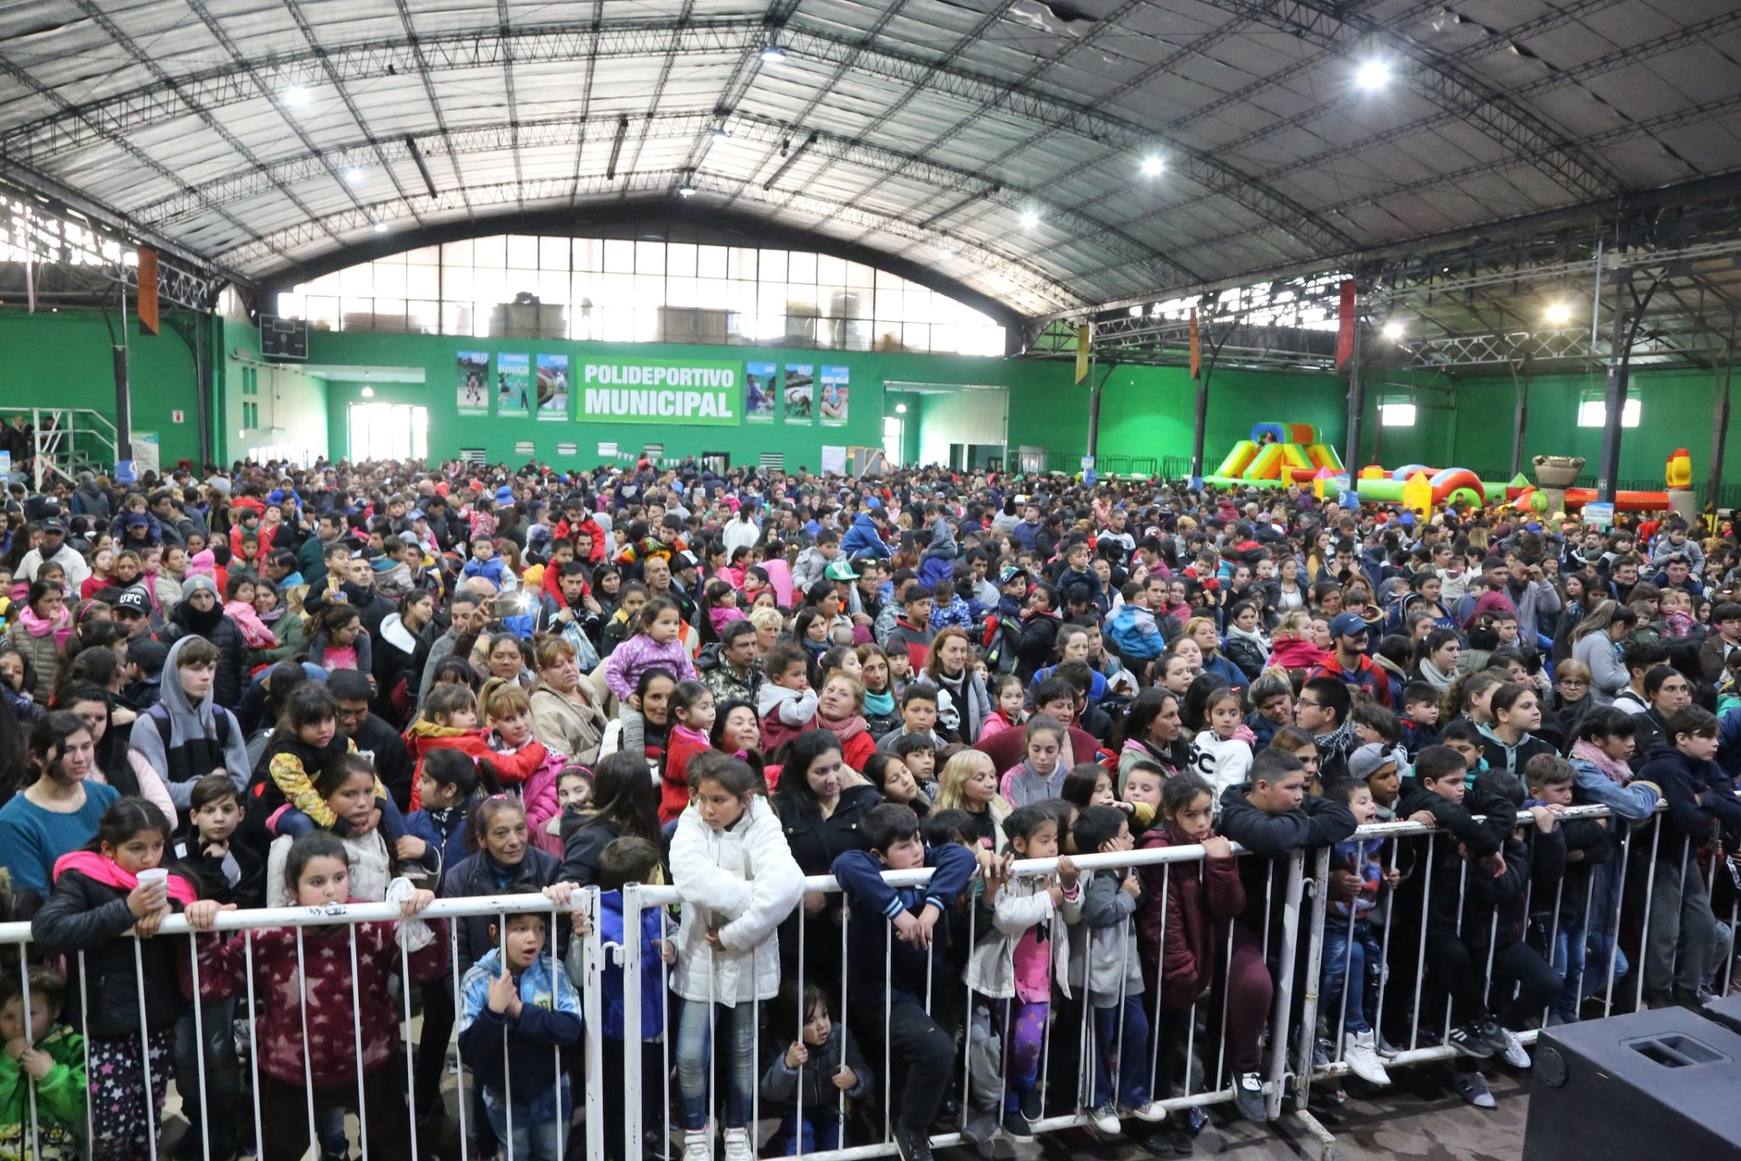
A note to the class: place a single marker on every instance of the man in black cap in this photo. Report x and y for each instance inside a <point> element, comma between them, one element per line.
<point>55,548</point>
<point>132,610</point>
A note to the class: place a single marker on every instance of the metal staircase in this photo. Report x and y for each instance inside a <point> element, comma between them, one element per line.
<point>66,441</point>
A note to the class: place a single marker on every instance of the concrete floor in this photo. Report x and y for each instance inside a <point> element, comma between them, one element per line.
<point>1417,1119</point>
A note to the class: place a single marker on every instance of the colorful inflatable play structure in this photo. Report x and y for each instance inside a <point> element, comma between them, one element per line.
<point>1282,455</point>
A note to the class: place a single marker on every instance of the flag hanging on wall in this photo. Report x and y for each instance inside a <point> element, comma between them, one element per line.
<point>148,289</point>
<point>1196,348</point>
<point>1345,319</point>
<point>1084,342</point>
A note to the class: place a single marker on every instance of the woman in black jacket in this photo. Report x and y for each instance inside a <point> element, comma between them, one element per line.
<point>625,804</point>
<point>821,802</point>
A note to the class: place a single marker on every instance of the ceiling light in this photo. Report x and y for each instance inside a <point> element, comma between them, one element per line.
<point>1394,330</point>
<point>772,53</point>
<point>900,409</point>
<point>1558,313</point>
<point>381,227</point>
<point>720,132</point>
<point>296,96</point>
<point>1152,166</point>
<point>947,253</point>
<point>368,393</point>
<point>1372,75</point>
<point>353,176</point>
<point>685,190</point>
<point>1030,219</point>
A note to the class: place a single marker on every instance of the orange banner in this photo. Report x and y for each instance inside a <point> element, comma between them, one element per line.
<point>1196,348</point>
<point>148,289</point>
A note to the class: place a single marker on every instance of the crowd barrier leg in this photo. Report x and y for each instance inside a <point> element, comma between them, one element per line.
<point>1284,995</point>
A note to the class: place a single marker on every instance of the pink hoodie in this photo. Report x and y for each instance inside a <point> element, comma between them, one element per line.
<point>254,630</point>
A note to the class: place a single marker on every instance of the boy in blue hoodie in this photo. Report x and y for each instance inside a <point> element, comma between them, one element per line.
<point>517,1005</point>
<point>912,912</point>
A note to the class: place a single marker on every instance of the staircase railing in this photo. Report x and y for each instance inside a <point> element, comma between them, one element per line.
<point>66,441</point>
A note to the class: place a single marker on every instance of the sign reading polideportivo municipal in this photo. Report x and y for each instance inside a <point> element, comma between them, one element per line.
<point>661,391</point>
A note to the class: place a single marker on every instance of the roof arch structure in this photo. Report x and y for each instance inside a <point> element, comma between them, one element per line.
<point>1042,155</point>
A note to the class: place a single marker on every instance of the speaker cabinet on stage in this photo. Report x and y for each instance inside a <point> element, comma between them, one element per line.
<point>1726,1012</point>
<point>1650,1084</point>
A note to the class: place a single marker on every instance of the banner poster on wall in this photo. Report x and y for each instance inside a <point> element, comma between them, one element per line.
<point>553,387</point>
<point>836,396</point>
<point>760,383</point>
<point>652,390</point>
<point>513,385</point>
<point>800,392</point>
<point>471,374</point>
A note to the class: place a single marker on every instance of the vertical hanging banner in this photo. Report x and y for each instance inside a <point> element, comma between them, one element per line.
<point>1345,324</point>
<point>836,406</point>
<point>800,393</point>
<point>761,381</point>
<point>148,289</point>
<point>513,385</point>
<point>1196,348</point>
<point>553,388</point>
<point>471,373</point>
<point>1084,342</point>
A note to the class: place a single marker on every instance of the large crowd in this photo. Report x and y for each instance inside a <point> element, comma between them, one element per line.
<point>372,682</point>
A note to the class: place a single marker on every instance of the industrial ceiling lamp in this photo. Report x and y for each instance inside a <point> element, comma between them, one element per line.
<point>772,53</point>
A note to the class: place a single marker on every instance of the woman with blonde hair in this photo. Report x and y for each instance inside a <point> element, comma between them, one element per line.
<point>969,783</point>
<point>567,712</point>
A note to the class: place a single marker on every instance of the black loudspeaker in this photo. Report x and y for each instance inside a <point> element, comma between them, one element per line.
<point>1650,1084</point>
<point>1726,1012</point>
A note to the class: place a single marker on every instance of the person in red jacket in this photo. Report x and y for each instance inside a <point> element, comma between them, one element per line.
<point>447,719</point>
<point>691,716</point>
<point>840,711</point>
<point>1185,910</point>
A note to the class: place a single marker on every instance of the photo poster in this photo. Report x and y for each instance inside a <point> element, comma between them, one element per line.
<point>471,378</point>
<point>836,403</point>
<point>513,385</point>
<point>760,383</point>
<point>553,387</point>
<point>800,392</point>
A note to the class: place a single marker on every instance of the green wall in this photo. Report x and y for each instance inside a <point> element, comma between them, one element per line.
<point>64,359</point>
<point>448,431</point>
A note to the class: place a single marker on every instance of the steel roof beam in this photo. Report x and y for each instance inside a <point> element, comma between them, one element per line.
<point>414,43</point>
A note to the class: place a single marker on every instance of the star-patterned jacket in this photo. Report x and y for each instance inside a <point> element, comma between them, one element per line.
<point>332,1037</point>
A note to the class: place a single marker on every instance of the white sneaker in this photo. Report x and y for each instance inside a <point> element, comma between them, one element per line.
<point>1360,1051</point>
<point>737,1145</point>
<point>1105,1121</point>
<point>1150,1112</point>
<point>1514,1053</point>
<point>698,1145</point>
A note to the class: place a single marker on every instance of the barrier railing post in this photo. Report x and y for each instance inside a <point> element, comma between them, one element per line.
<point>629,959</point>
<point>1308,1030</point>
<point>592,1014</point>
<point>1278,1064</point>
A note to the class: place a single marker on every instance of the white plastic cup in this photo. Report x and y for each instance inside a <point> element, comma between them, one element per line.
<point>154,877</point>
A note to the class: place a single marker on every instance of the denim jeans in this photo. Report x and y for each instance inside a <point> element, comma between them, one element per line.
<point>223,1077</point>
<point>533,1129</point>
<point>1352,954</point>
<point>1131,1055</point>
<point>814,1132</point>
<point>694,1056</point>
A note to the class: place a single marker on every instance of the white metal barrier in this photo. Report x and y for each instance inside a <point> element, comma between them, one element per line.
<point>1289,1070</point>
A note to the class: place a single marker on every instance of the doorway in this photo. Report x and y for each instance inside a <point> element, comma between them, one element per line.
<point>894,438</point>
<point>388,431</point>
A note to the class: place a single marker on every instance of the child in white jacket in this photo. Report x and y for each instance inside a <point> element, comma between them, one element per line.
<point>738,880</point>
<point>1027,948</point>
<point>1222,753</point>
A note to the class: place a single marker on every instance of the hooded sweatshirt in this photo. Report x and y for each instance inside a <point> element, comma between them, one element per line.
<point>176,742</point>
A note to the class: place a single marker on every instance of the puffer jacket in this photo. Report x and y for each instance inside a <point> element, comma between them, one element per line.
<point>84,915</point>
<point>741,882</point>
<point>40,645</point>
<point>480,874</point>
<point>1184,911</point>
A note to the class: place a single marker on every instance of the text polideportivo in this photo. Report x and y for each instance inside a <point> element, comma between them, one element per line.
<point>655,376</point>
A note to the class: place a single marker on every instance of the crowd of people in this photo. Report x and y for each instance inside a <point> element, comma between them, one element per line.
<point>379,681</point>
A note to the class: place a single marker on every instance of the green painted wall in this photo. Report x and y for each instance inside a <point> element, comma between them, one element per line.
<point>64,359</point>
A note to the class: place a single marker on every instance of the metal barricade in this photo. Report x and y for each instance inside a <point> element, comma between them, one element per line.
<point>583,907</point>
<point>1607,954</point>
<point>1279,940</point>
